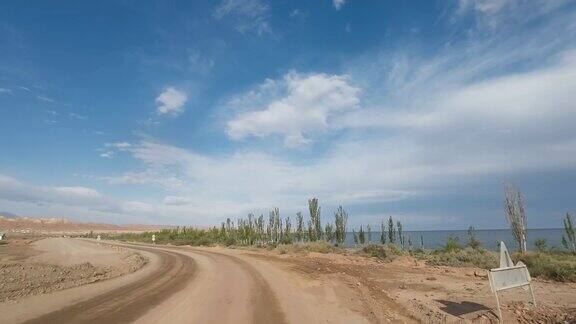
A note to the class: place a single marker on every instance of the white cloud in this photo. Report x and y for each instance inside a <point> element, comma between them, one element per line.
<point>44,98</point>
<point>198,63</point>
<point>490,109</point>
<point>5,90</point>
<point>119,145</point>
<point>171,101</point>
<point>246,15</point>
<point>107,154</point>
<point>14,189</point>
<point>293,107</point>
<point>78,192</point>
<point>338,3</point>
<point>175,201</point>
<point>77,116</point>
<point>351,172</point>
<point>69,198</point>
<point>491,14</point>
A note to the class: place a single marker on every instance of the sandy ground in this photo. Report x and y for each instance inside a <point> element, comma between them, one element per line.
<point>407,290</point>
<point>32,267</point>
<point>62,251</point>
<point>218,285</point>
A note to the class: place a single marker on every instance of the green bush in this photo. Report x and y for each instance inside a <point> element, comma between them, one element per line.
<point>452,244</point>
<point>385,251</point>
<point>556,266</point>
<point>541,245</point>
<point>375,251</point>
<point>469,257</point>
<point>318,246</point>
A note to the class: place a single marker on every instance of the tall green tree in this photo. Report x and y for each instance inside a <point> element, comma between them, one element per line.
<point>391,231</point>
<point>361,236</point>
<point>570,238</point>
<point>472,241</point>
<point>400,233</point>
<point>287,230</point>
<point>516,214</point>
<point>329,232</point>
<point>299,227</point>
<point>369,233</point>
<point>314,209</point>
<point>340,220</point>
<point>382,233</point>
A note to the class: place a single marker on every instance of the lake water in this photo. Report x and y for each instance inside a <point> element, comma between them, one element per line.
<point>488,238</point>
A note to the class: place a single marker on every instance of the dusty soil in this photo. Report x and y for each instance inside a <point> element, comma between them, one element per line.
<point>409,290</point>
<point>220,285</point>
<point>31,267</point>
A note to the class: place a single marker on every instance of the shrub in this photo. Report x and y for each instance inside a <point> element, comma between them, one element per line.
<point>541,245</point>
<point>556,266</point>
<point>318,246</point>
<point>472,241</point>
<point>375,251</point>
<point>469,257</point>
<point>385,252</point>
<point>452,244</point>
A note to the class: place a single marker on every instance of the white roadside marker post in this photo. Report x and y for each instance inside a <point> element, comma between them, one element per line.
<point>509,276</point>
<point>98,239</point>
<point>153,238</point>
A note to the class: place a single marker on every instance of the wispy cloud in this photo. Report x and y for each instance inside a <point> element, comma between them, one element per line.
<point>246,15</point>
<point>492,14</point>
<point>5,90</point>
<point>171,101</point>
<point>77,116</point>
<point>338,4</point>
<point>46,99</point>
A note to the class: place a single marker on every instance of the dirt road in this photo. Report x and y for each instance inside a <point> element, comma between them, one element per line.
<point>189,285</point>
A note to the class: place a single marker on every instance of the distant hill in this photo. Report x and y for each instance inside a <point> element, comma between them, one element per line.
<point>22,224</point>
<point>8,214</point>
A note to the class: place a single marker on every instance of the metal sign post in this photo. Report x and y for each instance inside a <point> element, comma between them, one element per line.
<point>509,276</point>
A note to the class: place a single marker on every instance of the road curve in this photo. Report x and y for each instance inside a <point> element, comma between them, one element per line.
<point>127,303</point>
<point>195,285</point>
<point>227,289</point>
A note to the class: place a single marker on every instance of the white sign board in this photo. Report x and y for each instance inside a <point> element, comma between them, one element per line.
<point>506,278</point>
<point>509,276</point>
<point>153,238</point>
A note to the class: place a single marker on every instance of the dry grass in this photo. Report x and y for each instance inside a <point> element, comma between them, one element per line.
<point>384,252</point>
<point>555,266</point>
<point>468,257</point>
<point>320,247</point>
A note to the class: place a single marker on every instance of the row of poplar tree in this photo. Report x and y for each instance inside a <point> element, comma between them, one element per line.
<point>390,234</point>
<point>255,230</point>
<point>277,230</point>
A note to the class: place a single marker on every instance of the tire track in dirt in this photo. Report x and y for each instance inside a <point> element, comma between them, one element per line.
<point>265,305</point>
<point>127,303</point>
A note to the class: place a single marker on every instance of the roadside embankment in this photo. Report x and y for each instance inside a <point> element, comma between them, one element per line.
<point>29,267</point>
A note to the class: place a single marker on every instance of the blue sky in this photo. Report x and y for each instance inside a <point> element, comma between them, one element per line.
<point>178,112</point>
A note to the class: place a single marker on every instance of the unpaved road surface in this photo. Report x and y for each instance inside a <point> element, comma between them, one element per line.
<point>186,285</point>
<point>218,285</point>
